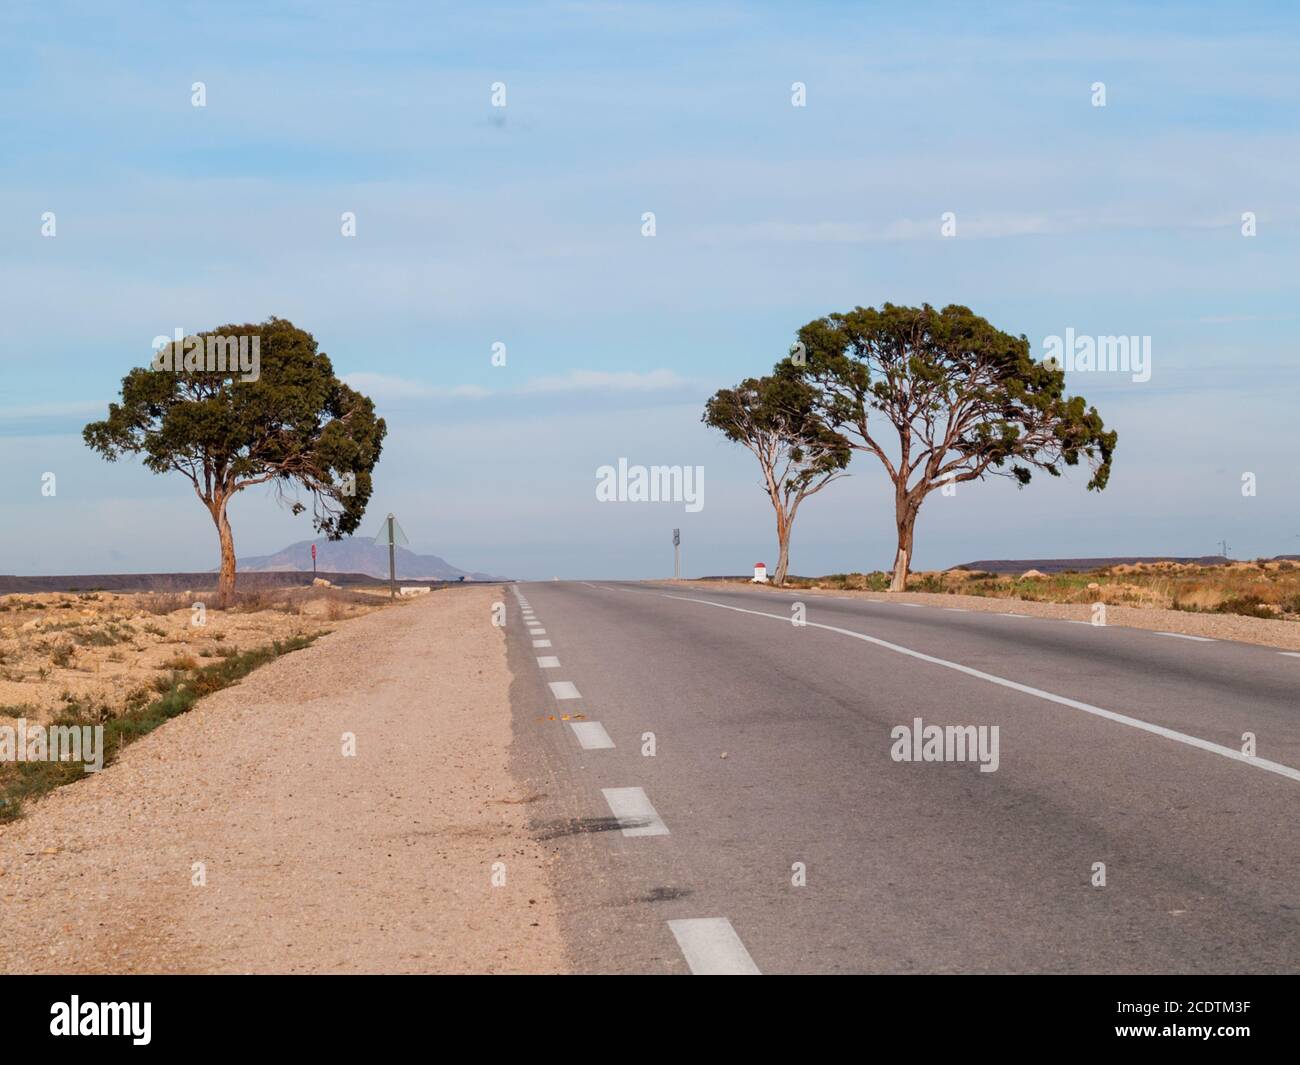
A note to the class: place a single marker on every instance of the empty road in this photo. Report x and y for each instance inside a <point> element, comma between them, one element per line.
<point>733,797</point>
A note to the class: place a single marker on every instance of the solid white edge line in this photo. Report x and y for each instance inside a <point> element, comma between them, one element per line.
<point>1184,636</point>
<point>1290,654</point>
<point>712,948</point>
<point>1110,715</point>
<point>632,804</point>
<point>591,735</point>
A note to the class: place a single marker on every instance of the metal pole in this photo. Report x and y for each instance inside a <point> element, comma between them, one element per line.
<point>677,562</point>
<point>392,561</point>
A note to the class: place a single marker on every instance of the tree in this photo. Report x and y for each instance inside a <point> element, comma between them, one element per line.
<point>287,420</point>
<point>774,417</point>
<point>964,399</point>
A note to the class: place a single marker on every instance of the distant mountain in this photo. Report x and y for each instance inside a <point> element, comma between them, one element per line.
<point>358,555</point>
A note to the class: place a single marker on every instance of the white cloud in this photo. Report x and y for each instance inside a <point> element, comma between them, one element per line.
<point>602,381</point>
<point>385,387</point>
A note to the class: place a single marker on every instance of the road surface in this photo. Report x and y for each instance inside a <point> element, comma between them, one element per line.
<point>772,765</point>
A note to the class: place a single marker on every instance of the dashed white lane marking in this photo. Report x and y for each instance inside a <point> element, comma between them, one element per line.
<point>1290,654</point>
<point>1110,715</point>
<point>537,632</point>
<point>564,689</point>
<point>591,735</point>
<point>712,948</point>
<point>956,610</point>
<point>1184,636</point>
<point>548,662</point>
<point>541,643</point>
<point>633,811</point>
<point>1009,614</point>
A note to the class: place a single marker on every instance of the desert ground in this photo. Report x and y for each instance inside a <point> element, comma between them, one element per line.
<point>104,652</point>
<point>1267,588</point>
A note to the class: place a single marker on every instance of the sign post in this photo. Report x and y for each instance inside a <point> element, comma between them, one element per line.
<point>391,534</point>
<point>392,561</point>
<point>313,562</point>
<point>677,554</point>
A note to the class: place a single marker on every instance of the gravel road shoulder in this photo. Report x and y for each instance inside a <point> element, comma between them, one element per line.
<point>313,861</point>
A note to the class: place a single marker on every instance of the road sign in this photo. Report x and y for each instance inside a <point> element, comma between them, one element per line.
<point>390,533</point>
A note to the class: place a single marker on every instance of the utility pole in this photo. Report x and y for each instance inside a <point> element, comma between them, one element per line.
<point>677,554</point>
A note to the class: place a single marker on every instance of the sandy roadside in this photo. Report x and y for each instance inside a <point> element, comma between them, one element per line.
<point>1267,633</point>
<point>314,862</point>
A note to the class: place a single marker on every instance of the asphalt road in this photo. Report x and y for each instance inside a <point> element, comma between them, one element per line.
<point>774,753</point>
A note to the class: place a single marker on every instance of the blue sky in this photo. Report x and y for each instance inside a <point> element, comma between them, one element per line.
<point>523,225</point>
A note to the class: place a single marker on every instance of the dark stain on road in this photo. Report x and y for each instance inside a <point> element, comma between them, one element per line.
<point>576,826</point>
<point>665,894</point>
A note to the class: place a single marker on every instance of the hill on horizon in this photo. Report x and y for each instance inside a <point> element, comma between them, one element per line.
<point>358,555</point>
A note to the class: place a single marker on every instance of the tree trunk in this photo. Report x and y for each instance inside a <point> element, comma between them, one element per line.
<point>903,557</point>
<point>226,583</point>
<point>784,523</point>
<point>783,562</point>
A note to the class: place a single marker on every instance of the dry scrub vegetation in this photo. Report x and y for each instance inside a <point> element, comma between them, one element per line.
<point>1262,589</point>
<point>102,653</point>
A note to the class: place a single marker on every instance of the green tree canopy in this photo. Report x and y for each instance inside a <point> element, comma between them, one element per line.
<point>776,419</point>
<point>941,397</point>
<point>294,424</point>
